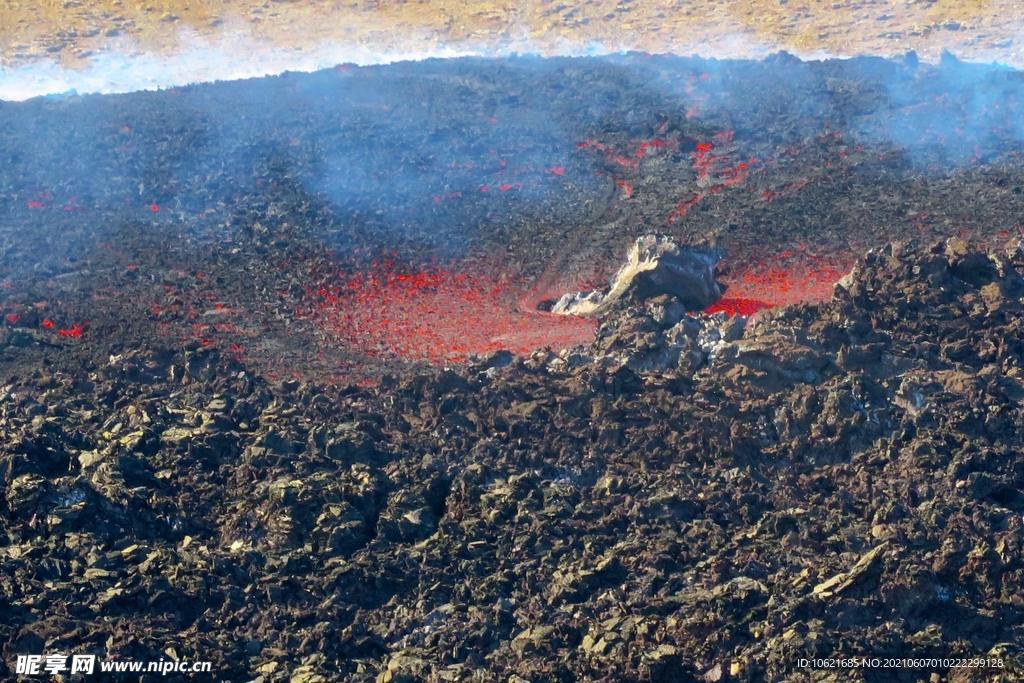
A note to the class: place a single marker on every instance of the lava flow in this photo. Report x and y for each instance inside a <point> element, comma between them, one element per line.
<point>789,278</point>
<point>439,315</point>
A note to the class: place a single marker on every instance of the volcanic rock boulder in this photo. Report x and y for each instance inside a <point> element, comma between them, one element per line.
<point>656,265</point>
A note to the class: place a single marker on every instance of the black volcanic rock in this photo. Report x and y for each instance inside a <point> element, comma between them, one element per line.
<point>826,480</point>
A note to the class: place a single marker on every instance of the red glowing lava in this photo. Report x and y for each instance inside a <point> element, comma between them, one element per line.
<point>75,332</point>
<point>788,278</point>
<point>743,307</point>
<point>631,161</point>
<point>713,168</point>
<point>438,315</point>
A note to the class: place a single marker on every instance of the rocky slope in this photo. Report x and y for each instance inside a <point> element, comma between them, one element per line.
<point>685,499</point>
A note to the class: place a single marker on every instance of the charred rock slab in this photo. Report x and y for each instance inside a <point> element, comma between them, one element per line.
<point>655,266</point>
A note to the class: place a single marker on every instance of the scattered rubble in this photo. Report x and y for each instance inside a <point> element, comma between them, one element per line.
<point>687,498</point>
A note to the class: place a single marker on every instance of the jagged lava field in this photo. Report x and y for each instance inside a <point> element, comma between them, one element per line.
<point>280,387</point>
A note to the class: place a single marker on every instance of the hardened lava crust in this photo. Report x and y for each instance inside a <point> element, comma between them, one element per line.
<point>276,392</point>
<point>681,500</point>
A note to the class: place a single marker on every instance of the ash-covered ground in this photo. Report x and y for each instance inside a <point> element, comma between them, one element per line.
<point>259,405</point>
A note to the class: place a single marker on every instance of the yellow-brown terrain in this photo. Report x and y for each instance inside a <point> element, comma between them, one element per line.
<point>70,32</point>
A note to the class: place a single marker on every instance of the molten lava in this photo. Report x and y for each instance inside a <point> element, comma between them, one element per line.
<point>438,315</point>
<point>744,307</point>
<point>788,278</point>
<point>441,315</point>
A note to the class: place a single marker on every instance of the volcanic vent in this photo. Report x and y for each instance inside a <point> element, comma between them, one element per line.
<point>362,217</point>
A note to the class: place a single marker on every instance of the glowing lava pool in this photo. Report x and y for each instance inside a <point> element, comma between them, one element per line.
<point>441,316</point>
